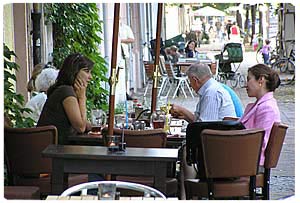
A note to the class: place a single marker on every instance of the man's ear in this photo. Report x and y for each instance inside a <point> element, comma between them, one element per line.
<point>195,78</point>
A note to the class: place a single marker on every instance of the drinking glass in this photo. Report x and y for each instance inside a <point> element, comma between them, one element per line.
<point>107,191</point>
<point>157,119</point>
<point>98,120</point>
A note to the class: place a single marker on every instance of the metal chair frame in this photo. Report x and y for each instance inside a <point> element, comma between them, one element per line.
<point>182,80</point>
<point>83,188</point>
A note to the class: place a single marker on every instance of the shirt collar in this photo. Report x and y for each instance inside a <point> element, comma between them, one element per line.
<point>205,86</point>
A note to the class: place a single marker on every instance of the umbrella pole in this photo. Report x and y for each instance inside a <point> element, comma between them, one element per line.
<point>156,73</point>
<point>113,73</point>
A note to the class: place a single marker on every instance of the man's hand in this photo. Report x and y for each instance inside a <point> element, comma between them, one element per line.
<point>176,111</point>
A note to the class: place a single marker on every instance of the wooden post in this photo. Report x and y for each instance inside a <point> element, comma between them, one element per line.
<point>113,73</point>
<point>156,73</point>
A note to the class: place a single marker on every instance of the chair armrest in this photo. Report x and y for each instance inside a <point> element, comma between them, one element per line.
<point>228,118</point>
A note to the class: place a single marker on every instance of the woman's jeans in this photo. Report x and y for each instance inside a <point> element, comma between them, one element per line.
<point>266,59</point>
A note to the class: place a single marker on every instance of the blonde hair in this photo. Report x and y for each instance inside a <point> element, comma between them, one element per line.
<point>35,72</point>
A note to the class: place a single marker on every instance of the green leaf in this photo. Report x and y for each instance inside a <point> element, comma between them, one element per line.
<point>13,102</point>
<point>77,28</point>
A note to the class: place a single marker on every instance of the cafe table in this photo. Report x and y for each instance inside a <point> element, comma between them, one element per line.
<point>68,159</point>
<point>173,141</point>
<point>184,63</point>
<point>86,139</point>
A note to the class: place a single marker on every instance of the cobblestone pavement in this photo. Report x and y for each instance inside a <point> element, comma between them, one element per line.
<point>282,177</point>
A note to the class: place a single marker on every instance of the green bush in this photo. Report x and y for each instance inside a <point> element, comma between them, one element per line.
<point>76,28</point>
<point>13,102</point>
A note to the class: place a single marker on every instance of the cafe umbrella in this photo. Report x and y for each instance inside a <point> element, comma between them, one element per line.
<point>114,71</point>
<point>156,73</point>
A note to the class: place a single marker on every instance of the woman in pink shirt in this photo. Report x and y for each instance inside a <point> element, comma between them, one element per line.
<point>261,83</point>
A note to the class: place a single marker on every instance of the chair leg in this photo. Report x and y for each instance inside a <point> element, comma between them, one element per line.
<point>146,90</point>
<point>188,86</point>
<point>210,189</point>
<point>188,194</point>
<point>162,86</point>
<point>182,87</point>
<point>266,188</point>
<point>252,187</point>
<point>165,87</point>
<point>176,90</point>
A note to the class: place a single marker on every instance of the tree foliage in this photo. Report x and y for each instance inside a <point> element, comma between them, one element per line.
<point>13,102</point>
<point>76,28</point>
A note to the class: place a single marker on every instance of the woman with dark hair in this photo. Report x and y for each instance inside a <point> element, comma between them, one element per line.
<point>65,107</point>
<point>190,49</point>
<point>261,83</point>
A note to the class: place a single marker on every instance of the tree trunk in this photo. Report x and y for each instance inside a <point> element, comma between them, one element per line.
<point>246,24</point>
<point>260,31</point>
<point>239,18</point>
<point>246,28</point>
<point>253,16</point>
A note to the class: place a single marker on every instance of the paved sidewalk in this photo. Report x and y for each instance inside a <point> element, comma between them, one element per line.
<point>282,177</point>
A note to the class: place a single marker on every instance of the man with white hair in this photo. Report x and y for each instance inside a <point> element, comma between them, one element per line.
<point>42,82</point>
<point>214,103</point>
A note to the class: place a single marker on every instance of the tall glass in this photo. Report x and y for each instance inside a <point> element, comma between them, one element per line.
<point>107,191</point>
<point>98,120</point>
<point>157,119</point>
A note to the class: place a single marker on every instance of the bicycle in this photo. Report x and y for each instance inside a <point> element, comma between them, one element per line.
<point>286,63</point>
<point>234,78</point>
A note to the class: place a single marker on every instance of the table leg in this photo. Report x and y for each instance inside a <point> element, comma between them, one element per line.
<point>160,176</point>
<point>59,180</point>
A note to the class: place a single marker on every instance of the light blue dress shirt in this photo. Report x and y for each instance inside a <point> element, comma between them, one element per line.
<point>214,103</point>
<point>238,106</point>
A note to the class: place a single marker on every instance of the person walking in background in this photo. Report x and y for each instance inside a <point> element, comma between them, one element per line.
<point>219,33</point>
<point>214,103</point>
<point>261,84</point>
<point>42,82</point>
<point>65,107</point>
<point>265,51</point>
<point>127,38</point>
<point>228,29</point>
<point>235,32</point>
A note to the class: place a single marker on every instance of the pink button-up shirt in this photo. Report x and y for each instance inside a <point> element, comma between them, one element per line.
<point>262,114</point>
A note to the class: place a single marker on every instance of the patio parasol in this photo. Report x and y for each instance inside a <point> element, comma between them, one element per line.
<point>156,73</point>
<point>113,73</point>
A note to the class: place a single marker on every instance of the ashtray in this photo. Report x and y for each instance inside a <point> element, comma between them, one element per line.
<point>94,133</point>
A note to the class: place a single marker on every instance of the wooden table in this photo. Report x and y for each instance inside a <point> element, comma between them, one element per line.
<point>182,66</point>
<point>97,140</point>
<point>98,160</point>
<point>86,139</point>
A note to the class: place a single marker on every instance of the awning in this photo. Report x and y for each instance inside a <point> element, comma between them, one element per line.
<point>208,11</point>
